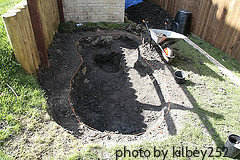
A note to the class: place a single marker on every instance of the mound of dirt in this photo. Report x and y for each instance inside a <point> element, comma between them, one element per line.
<point>154,14</point>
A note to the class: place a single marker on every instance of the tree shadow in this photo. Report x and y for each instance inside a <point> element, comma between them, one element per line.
<point>195,64</point>
<point>106,101</point>
<point>111,108</point>
<point>201,113</point>
<point>102,93</point>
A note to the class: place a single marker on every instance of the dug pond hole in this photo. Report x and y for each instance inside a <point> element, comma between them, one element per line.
<point>110,94</point>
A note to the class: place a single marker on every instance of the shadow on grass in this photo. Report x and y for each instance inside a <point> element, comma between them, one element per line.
<point>203,115</point>
<point>230,63</point>
<point>189,59</point>
<point>60,112</point>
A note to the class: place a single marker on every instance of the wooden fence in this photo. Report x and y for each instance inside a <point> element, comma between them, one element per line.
<point>216,21</point>
<point>26,35</point>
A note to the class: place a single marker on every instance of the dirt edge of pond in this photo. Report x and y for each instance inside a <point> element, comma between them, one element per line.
<point>65,61</point>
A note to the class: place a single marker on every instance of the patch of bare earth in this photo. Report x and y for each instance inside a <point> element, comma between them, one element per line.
<point>130,92</point>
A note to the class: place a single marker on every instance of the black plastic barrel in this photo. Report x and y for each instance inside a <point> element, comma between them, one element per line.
<point>182,22</point>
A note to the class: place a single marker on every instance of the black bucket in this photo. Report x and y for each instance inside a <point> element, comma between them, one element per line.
<point>179,77</point>
<point>233,146</point>
<point>182,22</point>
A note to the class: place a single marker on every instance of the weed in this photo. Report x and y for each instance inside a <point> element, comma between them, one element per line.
<point>68,27</point>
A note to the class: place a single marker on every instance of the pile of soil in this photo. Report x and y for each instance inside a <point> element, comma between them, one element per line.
<point>153,14</point>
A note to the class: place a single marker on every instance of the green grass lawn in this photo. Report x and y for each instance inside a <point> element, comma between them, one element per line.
<point>230,63</point>
<point>215,98</point>
<point>16,111</point>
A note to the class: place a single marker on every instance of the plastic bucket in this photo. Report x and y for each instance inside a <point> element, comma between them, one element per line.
<point>233,146</point>
<point>179,77</point>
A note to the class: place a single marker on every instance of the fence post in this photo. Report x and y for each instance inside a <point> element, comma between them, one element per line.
<point>60,9</point>
<point>38,32</point>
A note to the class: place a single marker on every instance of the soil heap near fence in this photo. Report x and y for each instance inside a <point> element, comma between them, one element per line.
<point>154,14</point>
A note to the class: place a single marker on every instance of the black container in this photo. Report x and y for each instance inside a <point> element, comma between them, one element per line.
<point>183,16</point>
<point>182,22</point>
<point>233,151</point>
<point>179,77</point>
<point>187,25</point>
<point>175,26</point>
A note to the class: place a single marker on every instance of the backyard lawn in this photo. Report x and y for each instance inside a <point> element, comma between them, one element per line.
<point>19,112</point>
<point>27,132</point>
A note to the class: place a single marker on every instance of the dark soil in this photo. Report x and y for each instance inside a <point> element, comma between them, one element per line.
<point>105,100</point>
<point>115,89</point>
<point>153,14</point>
<point>122,87</point>
<point>108,62</point>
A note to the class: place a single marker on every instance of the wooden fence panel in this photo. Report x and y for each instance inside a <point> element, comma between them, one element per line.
<point>49,14</point>
<point>232,42</point>
<point>28,39</point>
<point>228,30</point>
<point>21,34</point>
<point>216,21</point>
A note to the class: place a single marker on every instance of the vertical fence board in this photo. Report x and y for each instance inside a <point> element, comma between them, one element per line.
<point>38,31</point>
<point>221,16</point>
<point>24,32</point>
<point>171,7</point>
<point>196,5</point>
<point>163,4</point>
<point>207,28</point>
<point>237,52</point>
<point>218,24</point>
<point>31,28</point>
<point>49,15</point>
<point>232,32</point>
<point>197,26</point>
<point>13,29</point>
<point>235,43</point>
<point>228,30</point>
<point>204,18</point>
<point>175,7</point>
